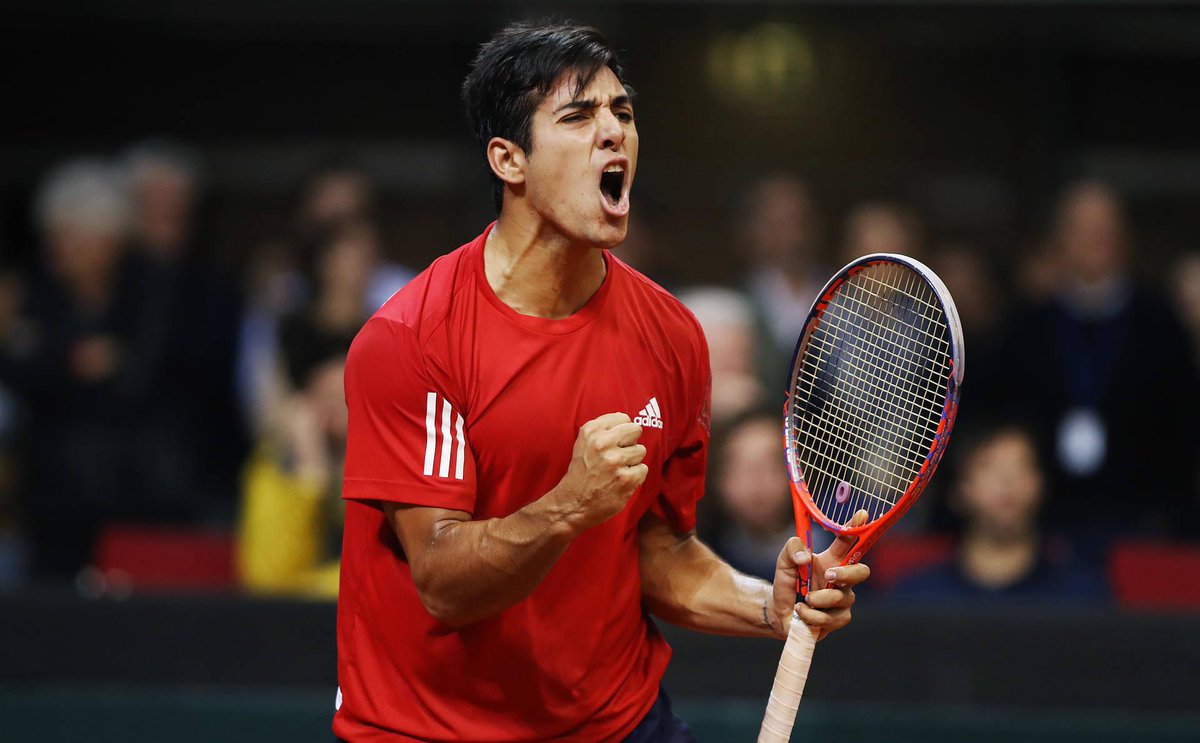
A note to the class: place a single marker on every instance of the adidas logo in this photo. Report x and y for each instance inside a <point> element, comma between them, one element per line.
<point>650,416</point>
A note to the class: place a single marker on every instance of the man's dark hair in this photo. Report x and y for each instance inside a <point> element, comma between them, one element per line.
<point>514,72</point>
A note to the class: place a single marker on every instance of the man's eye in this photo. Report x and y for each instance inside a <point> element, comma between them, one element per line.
<point>624,116</point>
<point>573,118</point>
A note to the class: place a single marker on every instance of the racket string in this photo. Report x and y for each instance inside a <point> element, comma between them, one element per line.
<point>848,314</point>
<point>881,422</point>
<point>926,298</point>
<point>908,440</point>
<point>904,355</point>
<point>822,444</point>
<point>909,374</point>
<point>902,376</point>
<point>906,449</point>
<point>869,391</point>
<point>935,318</point>
<point>898,367</point>
<point>840,443</point>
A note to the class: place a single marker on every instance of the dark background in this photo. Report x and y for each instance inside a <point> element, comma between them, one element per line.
<point>974,113</point>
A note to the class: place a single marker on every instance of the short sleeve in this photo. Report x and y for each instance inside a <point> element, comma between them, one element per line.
<point>406,441</point>
<point>684,470</point>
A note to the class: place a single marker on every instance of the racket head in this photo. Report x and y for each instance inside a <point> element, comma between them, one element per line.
<point>872,396</point>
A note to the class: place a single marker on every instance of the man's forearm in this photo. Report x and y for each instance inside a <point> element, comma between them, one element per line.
<point>466,570</point>
<point>687,584</point>
<point>469,570</point>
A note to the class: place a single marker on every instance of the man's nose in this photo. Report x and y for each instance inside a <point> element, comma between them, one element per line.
<point>610,132</point>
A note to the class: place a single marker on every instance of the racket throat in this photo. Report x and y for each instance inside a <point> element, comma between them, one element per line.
<point>804,531</point>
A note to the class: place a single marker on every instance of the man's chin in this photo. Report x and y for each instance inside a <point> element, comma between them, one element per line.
<point>612,233</point>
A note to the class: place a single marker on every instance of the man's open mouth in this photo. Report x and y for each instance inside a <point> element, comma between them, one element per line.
<point>612,182</point>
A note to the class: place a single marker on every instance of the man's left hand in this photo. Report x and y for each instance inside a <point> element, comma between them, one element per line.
<point>831,593</point>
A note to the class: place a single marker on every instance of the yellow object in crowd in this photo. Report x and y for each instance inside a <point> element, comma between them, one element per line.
<point>283,544</point>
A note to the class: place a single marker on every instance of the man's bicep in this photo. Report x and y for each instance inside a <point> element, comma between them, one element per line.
<point>418,526</point>
<point>675,568</point>
<point>659,545</point>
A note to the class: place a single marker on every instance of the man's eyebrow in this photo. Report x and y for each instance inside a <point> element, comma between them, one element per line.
<point>578,105</point>
<point>586,104</point>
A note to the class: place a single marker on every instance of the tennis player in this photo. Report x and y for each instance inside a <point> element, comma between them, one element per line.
<point>528,427</point>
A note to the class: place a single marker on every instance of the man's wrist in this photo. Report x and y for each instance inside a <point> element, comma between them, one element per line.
<point>774,624</point>
<point>556,510</point>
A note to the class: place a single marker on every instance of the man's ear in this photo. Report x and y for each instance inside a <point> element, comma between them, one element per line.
<point>507,160</point>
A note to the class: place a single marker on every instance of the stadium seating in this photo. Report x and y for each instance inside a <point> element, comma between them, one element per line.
<point>1147,574</point>
<point>165,557</point>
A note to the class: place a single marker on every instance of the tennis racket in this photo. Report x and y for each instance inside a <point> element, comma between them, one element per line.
<point>872,395</point>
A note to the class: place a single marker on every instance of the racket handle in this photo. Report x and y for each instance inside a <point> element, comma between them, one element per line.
<point>789,683</point>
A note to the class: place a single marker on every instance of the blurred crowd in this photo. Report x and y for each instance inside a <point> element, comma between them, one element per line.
<point>143,386</point>
<point>140,384</point>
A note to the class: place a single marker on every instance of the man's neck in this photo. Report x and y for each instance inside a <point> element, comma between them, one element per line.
<point>538,271</point>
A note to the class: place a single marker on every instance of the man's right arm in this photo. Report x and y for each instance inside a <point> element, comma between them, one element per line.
<point>467,570</point>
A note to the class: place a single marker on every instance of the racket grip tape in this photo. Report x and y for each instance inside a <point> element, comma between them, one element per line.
<point>789,683</point>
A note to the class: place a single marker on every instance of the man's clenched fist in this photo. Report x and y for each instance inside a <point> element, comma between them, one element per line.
<point>606,468</point>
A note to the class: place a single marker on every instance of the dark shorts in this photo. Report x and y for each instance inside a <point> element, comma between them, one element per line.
<point>660,725</point>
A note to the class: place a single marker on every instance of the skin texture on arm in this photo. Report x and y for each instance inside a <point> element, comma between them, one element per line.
<point>467,570</point>
<point>687,584</point>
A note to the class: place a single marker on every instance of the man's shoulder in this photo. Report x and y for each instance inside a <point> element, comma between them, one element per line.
<point>423,304</point>
<point>677,318</point>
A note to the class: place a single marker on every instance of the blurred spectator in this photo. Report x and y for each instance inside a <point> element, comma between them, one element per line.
<point>1002,556</point>
<point>1039,272</point>
<point>338,196</point>
<point>882,227</point>
<point>336,199</point>
<point>84,362</point>
<point>751,505</point>
<point>341,277</point>
<point>274,287</point>
<point>1185,280</point>
<point>1185,277</point>
<point>781,234</point>
<point>727,319</point>
<point>164,182</point>
<point>748,515</point>
<point>12,570</point>
<point>970,277</point>
<point>1103,369</point>
<point>647,246</point>
<point>290,525</point>
<point>291,512</point>
<point>331,197</point>
<point>191,317</point>
<point>982,307</point>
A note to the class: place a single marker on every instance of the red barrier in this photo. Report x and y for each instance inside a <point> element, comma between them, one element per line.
<point>1155,575</point>
<point>157,557</point>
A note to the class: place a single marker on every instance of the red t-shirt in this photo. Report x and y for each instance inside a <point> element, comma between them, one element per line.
<point>457,401</point>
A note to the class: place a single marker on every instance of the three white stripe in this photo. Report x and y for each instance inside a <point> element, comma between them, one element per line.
<point>431,438</point>
<point>652,409</point>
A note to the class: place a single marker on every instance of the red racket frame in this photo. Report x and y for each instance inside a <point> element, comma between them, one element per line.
<point>805,509</point>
